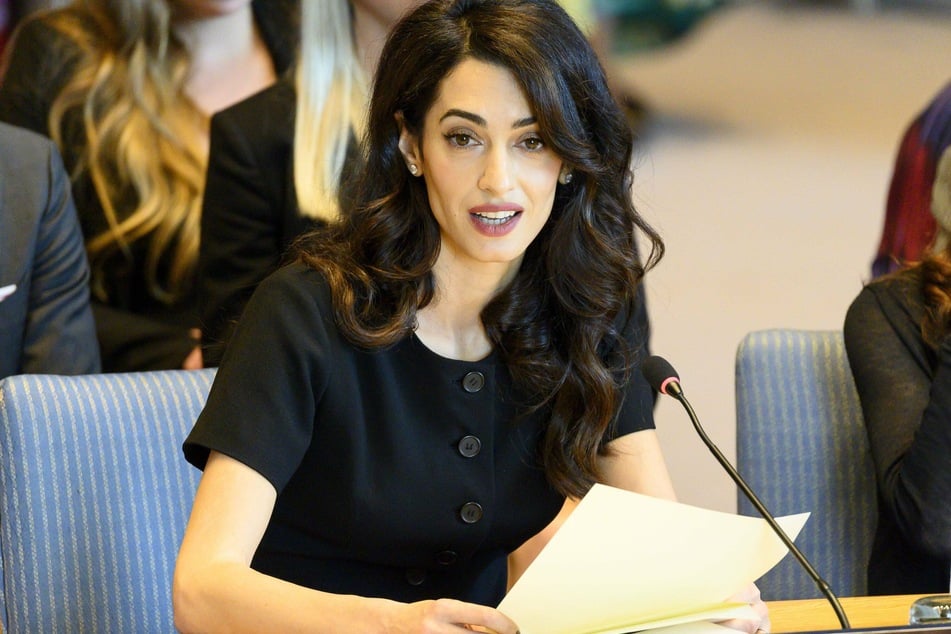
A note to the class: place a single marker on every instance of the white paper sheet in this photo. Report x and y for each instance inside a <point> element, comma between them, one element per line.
<point>624,561</point>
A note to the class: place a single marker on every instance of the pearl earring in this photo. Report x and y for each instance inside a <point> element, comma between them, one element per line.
<point>565,177</point>
<point>413,169</point>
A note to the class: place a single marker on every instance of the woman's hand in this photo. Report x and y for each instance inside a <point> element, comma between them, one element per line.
<point>758,625</point>
<point>448,616</point>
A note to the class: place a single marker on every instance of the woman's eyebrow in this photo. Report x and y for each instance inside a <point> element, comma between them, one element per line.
<point>480,121</point>
<point>470,116</point>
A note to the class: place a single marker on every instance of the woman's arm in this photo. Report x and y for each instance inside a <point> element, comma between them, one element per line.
<point>520,559</point>
<point>636,463</point>
<point>215,589</point>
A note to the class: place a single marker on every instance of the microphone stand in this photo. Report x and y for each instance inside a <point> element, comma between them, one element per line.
<point>673,389</point>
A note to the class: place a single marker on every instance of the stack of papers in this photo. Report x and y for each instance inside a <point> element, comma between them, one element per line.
<point>624,562</point>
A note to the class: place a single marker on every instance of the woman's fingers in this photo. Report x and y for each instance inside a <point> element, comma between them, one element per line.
<point>449,615</point>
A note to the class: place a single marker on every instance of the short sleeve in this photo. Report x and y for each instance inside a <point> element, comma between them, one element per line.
<point>261,407</point>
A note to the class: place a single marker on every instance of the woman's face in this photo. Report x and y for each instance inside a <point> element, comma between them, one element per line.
<point>490,177</point>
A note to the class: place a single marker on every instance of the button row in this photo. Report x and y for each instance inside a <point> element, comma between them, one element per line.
<point>471,512</point>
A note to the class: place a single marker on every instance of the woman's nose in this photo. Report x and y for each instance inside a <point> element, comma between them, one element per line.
<point>496,173</point>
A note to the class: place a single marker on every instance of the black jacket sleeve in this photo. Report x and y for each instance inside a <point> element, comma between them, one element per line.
<point>60,335</point>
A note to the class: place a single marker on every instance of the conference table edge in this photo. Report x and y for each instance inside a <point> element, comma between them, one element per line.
<point>808,615</point>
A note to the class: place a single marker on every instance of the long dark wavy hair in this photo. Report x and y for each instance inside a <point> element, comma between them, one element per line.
<point>558,324</point>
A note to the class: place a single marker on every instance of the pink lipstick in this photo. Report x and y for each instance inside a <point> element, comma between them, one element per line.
<point>495,220</point>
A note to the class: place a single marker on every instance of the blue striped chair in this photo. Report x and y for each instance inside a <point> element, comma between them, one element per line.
<point>802,446</point>
<point>94,497</point>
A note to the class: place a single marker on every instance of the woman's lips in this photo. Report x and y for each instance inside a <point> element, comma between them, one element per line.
<point>495,220</point>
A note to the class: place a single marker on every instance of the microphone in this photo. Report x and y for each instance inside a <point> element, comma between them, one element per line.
<point>663,378</point>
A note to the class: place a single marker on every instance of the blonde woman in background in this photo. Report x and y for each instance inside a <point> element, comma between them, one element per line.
<point>282,161</point>
<point>126,89</point>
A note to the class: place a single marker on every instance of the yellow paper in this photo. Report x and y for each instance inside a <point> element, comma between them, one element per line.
<point>624,561</point>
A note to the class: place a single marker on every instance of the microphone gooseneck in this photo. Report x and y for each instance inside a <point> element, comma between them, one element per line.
<point>663,378</point>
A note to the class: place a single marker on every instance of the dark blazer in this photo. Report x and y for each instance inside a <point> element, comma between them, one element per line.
<point>249,215</point>
<point>249,212</point>
<point>46,324</point>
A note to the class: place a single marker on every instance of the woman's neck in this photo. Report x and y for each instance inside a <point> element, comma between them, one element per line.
<point>229,60</point>
<point>451,325</point>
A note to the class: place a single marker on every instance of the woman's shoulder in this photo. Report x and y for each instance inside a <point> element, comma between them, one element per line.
<point>902,287</point>
<point>896,297</point>
<point>294,296</point>
<point>296,280</point>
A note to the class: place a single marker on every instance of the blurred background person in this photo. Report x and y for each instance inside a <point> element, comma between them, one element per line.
<point>282,161</point>
<point>897,338</point>
<point>126,88</point>
<point>46,325</point>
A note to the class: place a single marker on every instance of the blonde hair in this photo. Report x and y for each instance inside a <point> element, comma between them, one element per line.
<point>143,150</point>
<point>331,103</point>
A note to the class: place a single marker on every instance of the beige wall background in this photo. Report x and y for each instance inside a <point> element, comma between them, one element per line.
<point>765,167</point>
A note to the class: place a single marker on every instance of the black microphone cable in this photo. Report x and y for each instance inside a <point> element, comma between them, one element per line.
<point>663,378</point>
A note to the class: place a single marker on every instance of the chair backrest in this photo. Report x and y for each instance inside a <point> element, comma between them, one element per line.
<point>94,497</point>
<point>802,446</point>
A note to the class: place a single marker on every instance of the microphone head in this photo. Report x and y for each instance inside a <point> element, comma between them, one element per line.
<point>660,375</point>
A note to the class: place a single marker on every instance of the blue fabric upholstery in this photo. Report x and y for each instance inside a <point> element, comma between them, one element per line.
<point>94,497</point>
<point>802,446</point>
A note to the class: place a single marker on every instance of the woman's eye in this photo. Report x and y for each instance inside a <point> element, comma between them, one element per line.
<point>533,143</point>
<point>460,139</point>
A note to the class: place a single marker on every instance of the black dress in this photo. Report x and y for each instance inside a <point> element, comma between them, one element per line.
<point>136,331</point>
<point>905,389</point>
<point>400,473</point>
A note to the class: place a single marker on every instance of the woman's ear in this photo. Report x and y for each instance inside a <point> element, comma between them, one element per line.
<point>409,147</point>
